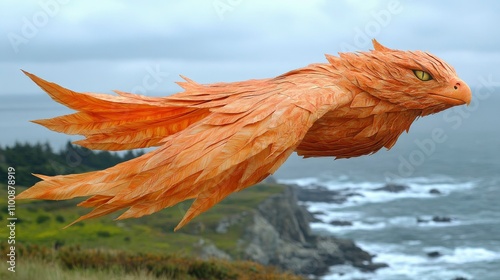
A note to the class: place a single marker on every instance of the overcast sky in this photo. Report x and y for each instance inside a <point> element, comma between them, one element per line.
<point>143,46</point>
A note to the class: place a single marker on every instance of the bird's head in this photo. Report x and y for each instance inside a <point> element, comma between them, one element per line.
<point>408,79</point>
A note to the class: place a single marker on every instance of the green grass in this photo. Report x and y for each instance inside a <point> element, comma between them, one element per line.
<point>164,254</point>
<point>28,270</point>
<point>42,222</point>
<point>75,263</point>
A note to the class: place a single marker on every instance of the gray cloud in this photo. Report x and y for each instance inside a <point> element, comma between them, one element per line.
<point>113,40</point>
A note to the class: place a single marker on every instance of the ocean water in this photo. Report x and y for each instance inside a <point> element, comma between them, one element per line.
<point>463,163</point>
<point>16,112</point>
<point>456,152</point>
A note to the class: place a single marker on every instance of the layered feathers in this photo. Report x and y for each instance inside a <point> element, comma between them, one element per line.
<point>221,138</point>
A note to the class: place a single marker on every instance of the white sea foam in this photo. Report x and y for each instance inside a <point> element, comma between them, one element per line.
<point>355,226</point>
<point>328,216</point>
<point>427,180</point>
<point>376,223</point>
<point>406,260</point>
<point>419,266</point>
<point>407,272</point>
<point>418,188</point>
<point>463,255</point>
<point>413,266</point>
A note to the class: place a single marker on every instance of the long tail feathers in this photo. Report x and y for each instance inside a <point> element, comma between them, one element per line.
<point>126,121</point>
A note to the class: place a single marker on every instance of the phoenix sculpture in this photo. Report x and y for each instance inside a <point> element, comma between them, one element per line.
<point>221,138</point>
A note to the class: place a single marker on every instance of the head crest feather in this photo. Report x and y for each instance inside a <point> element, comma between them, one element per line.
<point>378,47</point>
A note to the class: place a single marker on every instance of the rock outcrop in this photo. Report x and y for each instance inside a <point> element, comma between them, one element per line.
<point>321,194</point>
<point>279,235</point>
<point>393,188</point>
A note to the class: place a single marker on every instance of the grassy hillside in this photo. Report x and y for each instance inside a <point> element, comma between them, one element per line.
<point>140,242</point>
<point>35,262</point>
<point>41,222</point>
<point>149,241</point>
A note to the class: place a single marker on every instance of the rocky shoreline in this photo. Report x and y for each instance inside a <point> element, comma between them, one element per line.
<point>314,254</point>
<point>280,235</point>
<point>314,193</point>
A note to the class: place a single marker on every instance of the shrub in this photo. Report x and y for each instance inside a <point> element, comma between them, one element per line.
<point>103,233</point>
<point>60,219</point>
<point>210,270</point>
<point>42,219</point>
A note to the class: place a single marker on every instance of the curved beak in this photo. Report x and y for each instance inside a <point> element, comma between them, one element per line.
<point>462,92</point>
<point>457,93</point>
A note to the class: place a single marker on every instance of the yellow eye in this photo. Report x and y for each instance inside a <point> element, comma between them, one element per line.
<point>422,75</point>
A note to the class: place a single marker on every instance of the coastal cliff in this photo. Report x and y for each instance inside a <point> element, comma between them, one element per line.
<point>277,233</point>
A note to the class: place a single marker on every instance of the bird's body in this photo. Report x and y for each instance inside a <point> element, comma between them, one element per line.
<point>221,138</point>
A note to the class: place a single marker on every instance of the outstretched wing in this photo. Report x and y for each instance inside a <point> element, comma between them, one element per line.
<point>110,122</point>
<point>246,137</point>
<point>237,146</point>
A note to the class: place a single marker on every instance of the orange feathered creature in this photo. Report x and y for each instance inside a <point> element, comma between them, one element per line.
<point>221,138</point>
